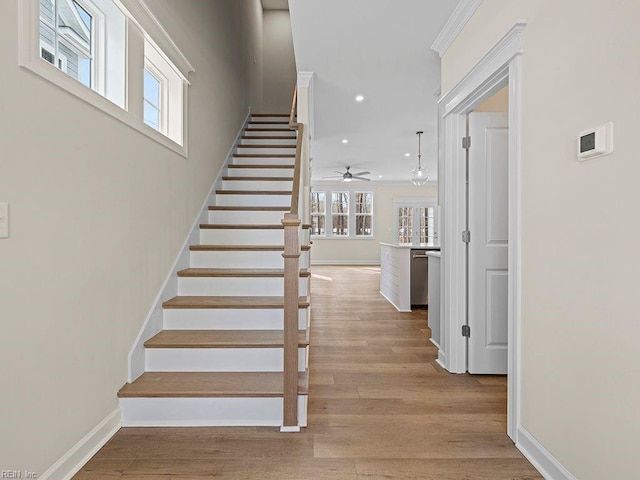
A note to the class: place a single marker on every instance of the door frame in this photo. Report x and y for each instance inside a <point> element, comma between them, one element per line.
<point>501,66</point>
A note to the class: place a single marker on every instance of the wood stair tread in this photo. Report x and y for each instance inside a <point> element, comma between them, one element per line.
<point>253,192</point>
<point>269,122</point>
<point>264,155</point>
<point>250,209</point>
<point>265,129</point>
<point>253,145</point>
<point>203,301</point>
<point>222,339</point>
<point>239,248</point>
<point>237,272</point>
<point>268,137</point>
<point>259,179</point>
<point>262,166</point>
<point>209,385</point>
<point>243,226</point>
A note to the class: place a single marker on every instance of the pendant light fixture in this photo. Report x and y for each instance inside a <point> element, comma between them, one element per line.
<point>419,175</point>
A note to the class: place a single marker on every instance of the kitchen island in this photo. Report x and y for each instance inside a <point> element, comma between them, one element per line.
<point>395,273</point>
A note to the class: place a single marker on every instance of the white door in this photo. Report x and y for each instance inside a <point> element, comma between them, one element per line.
<point>488,249</point>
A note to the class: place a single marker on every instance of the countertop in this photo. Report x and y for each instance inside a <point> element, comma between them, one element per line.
<point>424,246</point>
<point>434,254</point>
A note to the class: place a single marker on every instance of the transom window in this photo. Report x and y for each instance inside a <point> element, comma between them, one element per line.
<point>68,38</point>
<point>151,99</point>
<point>349,214</point>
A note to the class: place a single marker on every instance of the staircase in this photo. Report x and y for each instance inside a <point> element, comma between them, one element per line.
<point>219,359</point>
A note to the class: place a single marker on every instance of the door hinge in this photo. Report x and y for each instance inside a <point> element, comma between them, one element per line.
<point>466,236</point>
<point>466,143</point>
<point>466,331</point>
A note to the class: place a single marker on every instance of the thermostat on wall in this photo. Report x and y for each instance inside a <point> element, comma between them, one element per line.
<point>595,142</point>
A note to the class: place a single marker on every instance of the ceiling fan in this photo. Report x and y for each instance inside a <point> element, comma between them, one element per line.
<point>347,176</point>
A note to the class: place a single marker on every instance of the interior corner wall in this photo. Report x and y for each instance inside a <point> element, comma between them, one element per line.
<point>98,214</point>
<point>279,71</point>
<point>360,251</point>
<point>254,36</point>
<point>580,356</point>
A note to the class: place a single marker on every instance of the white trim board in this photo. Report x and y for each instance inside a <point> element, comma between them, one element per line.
<point>153,324</point>
<point>456,22</point>
<point>76,458</point>
<point>391,302</point>
<point>500,65</point>
<point>541,458</point>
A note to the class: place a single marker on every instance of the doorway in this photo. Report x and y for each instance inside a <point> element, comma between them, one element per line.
<point>501,66</point>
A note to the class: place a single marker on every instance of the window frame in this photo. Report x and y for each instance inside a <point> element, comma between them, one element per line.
<point>318,214</point>
<point>356,214</point>
<point>415,204</point>
<point>351,191</point>
<point>138,18</point>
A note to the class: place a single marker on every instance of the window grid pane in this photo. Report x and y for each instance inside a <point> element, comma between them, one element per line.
<point>151,100</point>
<point>405,225</point>
<point>318,225</point>
<point>426,224</point>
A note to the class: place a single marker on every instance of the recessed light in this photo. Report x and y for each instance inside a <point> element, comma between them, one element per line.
<point>379,176</point>
<point>344,140</point>
<point>359,98</point>
<point>407,154</point>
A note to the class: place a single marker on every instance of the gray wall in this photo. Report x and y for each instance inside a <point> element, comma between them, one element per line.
<point>580,251</point>
<point>96,225</point>
<point>279,62</point>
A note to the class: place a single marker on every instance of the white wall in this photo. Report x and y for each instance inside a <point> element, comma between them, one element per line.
<point>279,62</point>
<point>254,38</point>
<point>96,224</point>
<point>343,251</point>
<point>580,254</point>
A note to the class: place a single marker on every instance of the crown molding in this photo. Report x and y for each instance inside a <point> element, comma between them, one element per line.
<point>143,15</point>
<point>458,19</point>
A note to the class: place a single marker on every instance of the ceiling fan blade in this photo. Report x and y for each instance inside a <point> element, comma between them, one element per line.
<point>361,173</point>
<point>333,176</point>
<point>339,173</point>
<point>362,178</point>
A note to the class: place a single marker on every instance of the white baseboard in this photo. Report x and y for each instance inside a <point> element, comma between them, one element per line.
<point>442,359</point>
<point>355,263</point>
<point>391,302</point>
<point>72,461</point>
<point>548,466</point>
<point>435,344</point>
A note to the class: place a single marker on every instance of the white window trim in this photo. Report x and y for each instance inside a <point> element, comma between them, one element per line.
<point>162,101</point>
<point>351,191</point>
<point>320,214</point>
<point>415,203</point>
<point>135,11</point>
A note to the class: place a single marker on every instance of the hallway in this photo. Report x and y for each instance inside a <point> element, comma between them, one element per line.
<point>380,408</point>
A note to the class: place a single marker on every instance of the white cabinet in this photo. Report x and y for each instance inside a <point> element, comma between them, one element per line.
<point>435,319</point>
<point>395,263</point>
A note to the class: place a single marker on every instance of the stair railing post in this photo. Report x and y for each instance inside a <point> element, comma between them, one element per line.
<point>291,255</point>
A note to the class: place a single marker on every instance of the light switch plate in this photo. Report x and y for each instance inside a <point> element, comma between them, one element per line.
<point>4,220</point>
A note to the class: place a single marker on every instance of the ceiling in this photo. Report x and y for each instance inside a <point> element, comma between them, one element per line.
<point>380,49</point>
<point>275,4</point>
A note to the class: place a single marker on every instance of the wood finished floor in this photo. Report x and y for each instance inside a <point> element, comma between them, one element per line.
<point>380,408</point>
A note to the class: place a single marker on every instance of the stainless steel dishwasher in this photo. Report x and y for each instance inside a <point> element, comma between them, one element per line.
<point>419,277</point>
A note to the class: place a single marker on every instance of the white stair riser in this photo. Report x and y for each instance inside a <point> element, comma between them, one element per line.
<point>268,141</point>
<point>277,133</point>
<point>257,184</point>
<point>275,118</point>
<point>239,259</point>
<point>271,126</point>
<point>243,217</point>
<point>260,172</point>
<point>229,319</point>
<point>258,160</point>
<point>244,200</point>
<point>228,236</point>
<point>219,359</point>
<point>202,412</point>
<point>236,286</point>
<point>268,150</point>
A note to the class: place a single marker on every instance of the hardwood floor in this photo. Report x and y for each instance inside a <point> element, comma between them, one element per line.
<point>380,408</point>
